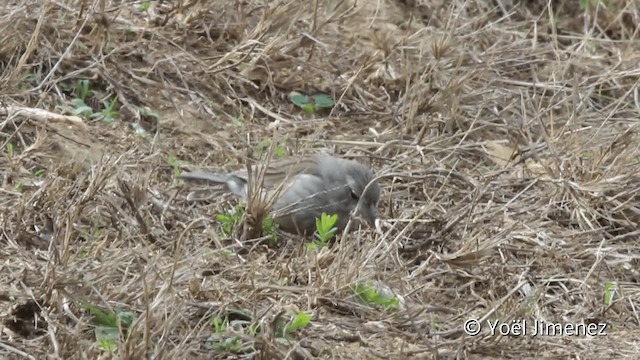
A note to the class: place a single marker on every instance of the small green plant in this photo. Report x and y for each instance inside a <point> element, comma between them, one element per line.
<point>109,325</point>
<point>27,80</point>
<point>262,146</point>
<point>609,292</point>
<point>278,150</point>
<point>82,89</point>
<point>175,166</point>
<point>142,6</point>
<point>19,186</point>
<point>10,150</point>
<point>66,87</point>
<point>237,121</point>
<point>219,324</point>
<point>221,341</point>
<point>311,104</point>
<point>269,228</point>
<point>282,328</point>
<point>228,253</point>
<point>90,236</point>
<point>298,322</point>
<point>325,230</point>
<point>39,173</point>
<point>225,328</point>
<point>108,111</point>
<point>230,219</point>
<point>233,217</point>
<point>368,295</point>
<point>145,111</point>
<point>79,108</point>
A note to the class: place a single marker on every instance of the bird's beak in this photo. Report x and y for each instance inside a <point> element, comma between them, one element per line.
<point>370,216</point>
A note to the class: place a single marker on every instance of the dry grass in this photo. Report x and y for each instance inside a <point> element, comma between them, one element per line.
<point>505,134</point>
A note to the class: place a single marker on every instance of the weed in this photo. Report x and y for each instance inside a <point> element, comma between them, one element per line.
<point>325,230</point>
<point>609,292</point>
<point>311,104</point>
<point>175,166</point>
<point>230,219</point>
<point>109,325</point>
<point>368,295</point>
<point>82,90</point>
<point>222,340</point>
<point>278,150</point>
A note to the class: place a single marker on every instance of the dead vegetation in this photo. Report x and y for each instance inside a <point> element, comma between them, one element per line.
<point>505,134</point>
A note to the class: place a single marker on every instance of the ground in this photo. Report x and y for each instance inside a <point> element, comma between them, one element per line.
<point>504,135</point>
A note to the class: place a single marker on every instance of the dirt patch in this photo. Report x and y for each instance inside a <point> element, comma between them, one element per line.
<point>505,134</point>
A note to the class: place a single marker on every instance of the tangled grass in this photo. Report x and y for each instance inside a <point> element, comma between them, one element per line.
<point>504,134</point>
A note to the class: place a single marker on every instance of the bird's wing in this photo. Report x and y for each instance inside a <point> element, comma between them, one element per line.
<point>278,172</point>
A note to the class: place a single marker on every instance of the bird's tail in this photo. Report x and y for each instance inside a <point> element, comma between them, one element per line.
<point>205,177</point>
<point>236,184</point>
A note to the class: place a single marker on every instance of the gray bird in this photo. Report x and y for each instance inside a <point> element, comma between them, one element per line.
<point>302,188</point>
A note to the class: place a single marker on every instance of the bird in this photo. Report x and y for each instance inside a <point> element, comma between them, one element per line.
<point>299,189</point>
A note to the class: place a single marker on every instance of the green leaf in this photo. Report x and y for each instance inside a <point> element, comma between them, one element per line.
<point>299,99</point>
<point>609,292</point>
<point>109,319</point>
<point>325,223</point>
<point>110,105</point>
<point>301,320</point>
<point>80,108</point>
<point>19,186</point>
<point>101,317</point>
<point>150,113</point>
<point>226,219</point>
<point>219,324</point>
<point>82,89</point>
<point>323,101</point>
<point>370,296</point>
<point>30,77</point>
